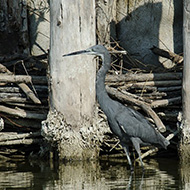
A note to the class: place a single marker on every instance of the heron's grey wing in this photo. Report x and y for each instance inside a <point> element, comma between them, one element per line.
<point>134,124</point>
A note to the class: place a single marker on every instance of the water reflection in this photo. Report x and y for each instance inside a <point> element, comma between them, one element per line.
<point>98,175</point>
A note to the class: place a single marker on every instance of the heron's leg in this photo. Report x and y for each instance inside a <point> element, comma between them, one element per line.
<point>137,148</point>
<point>126,149</point>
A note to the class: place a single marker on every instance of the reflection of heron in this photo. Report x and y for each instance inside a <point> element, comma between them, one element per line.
<point>129,125</point>
<point>130,183</point>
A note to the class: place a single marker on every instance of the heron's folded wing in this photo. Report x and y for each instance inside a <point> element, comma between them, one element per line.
<point>134,124</point>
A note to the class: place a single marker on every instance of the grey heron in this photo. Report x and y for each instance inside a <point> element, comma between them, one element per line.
<point>127,124</point>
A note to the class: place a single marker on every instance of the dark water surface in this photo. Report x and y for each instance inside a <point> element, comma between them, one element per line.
<point>98,175</point>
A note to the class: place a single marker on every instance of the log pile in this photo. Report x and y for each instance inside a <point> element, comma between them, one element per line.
<point>23,105</point>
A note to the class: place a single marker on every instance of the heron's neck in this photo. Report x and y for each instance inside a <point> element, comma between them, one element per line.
<point>101,92</point>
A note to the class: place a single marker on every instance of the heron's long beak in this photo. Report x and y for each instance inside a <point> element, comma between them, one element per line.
<point>76,53</point>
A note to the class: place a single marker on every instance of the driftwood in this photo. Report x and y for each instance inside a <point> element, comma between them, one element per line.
<point>166,102</point>
<point>23,123</point>
<point>141,77</point>
<point>22,79</point>
<point>150,83</point>
<point>23,86</point>
<point>22,141</point>
<point>23,113</point>
<point>169,88</point>
<point>167,54</point>
<point>29,93</point>
<point>7,136</point>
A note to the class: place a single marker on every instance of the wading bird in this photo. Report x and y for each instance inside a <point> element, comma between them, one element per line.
<point>130,126</point>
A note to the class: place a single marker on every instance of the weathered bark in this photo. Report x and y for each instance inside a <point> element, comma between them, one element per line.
<point>155,83</point>
<point>70,120</point>
<point>185,126</point>
<point>23,113</point>
<point>177,59</point>
<point>166,102</point>
<point>22,79</point>
<point>141,77</point>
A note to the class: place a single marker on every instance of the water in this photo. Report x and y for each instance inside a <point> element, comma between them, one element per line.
<point>163,174</point>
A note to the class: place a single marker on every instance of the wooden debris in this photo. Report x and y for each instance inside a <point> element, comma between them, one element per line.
<point>157,94</point>
<point>167,54</point>
<point>166,102</point>
<point>23,113</point>
<point>9,136</point>
<point>20,108</point>
<point>22,79</point>
<point>142,77</point>
<point>22,85</point>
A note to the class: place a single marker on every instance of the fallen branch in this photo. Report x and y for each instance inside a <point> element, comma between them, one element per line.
<point>166,102</point>
<point>151,83</point>
<point>10,136</point>
<point>167,54</point>
<point>21,141</point>
<point>22,113</point>
<point>140,77</point>
<point>23,86</point>
<point>29,93</point>
<point>22,79</point>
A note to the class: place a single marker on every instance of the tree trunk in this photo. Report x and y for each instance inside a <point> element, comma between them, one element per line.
<point>72,80</point>
<point>185,133</point>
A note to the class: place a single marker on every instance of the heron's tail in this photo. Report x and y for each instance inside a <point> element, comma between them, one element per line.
<point>163,141</point>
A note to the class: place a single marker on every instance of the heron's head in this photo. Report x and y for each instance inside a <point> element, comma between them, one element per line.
<point>94,50</point>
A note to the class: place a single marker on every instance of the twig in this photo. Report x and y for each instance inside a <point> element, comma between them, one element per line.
<point>114,145</point>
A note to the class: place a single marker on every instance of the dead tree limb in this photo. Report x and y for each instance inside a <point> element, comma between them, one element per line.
<point>166,102</point>
<point>22,79</point>
<point>152,83</point>
<point>22,113</point>
<point>23,86</point>
<point>167,54</point>
<point>21,141</point>
<point>141,77</point>
<point>9,136</point>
